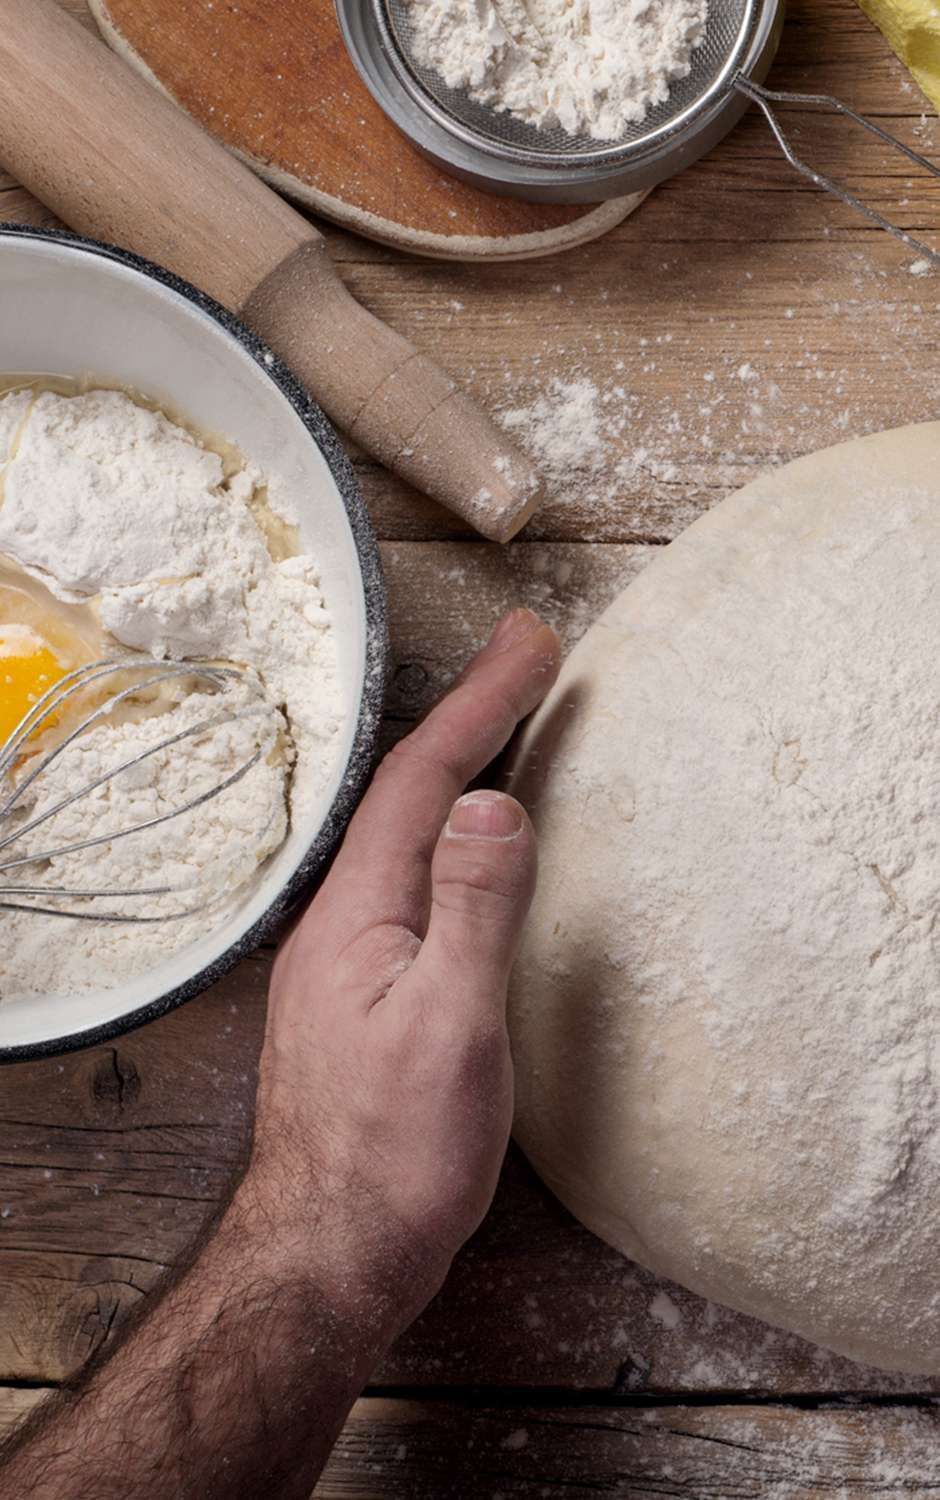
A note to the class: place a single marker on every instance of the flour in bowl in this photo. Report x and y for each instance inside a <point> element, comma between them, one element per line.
<point>120,529</point>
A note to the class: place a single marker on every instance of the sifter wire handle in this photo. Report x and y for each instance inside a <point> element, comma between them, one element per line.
<point>765,97</point>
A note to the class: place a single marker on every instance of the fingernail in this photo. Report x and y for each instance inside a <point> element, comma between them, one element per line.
<point>513,628</point>
<point>485,815</point>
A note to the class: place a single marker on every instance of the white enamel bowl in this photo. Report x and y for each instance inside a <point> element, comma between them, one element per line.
<point>71,307</point>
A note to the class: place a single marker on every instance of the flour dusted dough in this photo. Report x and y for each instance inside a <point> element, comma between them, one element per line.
<point>725,1017</point>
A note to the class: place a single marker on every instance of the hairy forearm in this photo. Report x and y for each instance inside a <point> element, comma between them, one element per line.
<point>237,1383</point>
<point>384,1106</point>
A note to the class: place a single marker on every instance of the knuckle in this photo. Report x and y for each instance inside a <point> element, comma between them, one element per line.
<point>506,710</point>
<point>373,959</point>
<point>485,1048</point>
<point>417,750</point>
<point>479,887</point>
<point>477,1050</point>
<point>381,948</point>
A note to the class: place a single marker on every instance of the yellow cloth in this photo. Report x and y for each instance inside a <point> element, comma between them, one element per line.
<point>912,28</point>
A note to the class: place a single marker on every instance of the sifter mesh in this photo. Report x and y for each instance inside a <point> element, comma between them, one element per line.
<point>730,26</point>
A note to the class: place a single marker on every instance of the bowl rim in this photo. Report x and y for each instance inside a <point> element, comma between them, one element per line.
<point>314,862</point>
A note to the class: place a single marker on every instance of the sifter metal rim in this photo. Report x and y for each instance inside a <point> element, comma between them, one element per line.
<point>554,176</point>
<point>603,152</point>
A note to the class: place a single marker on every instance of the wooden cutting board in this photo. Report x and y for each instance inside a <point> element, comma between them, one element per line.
<point>272,80</point>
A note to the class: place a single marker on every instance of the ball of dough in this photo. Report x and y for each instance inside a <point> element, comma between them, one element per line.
<point>725,1014</point>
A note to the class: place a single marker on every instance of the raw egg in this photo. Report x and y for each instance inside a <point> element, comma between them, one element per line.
<point>42,639</point>
<point>28,669</point>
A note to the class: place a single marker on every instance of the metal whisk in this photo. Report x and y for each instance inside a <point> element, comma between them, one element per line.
<point>145,674</point>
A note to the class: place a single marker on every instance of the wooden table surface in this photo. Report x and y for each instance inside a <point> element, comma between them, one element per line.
<point>739,319</point>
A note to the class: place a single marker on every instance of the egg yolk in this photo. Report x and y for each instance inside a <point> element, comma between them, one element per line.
<point>28,669</point>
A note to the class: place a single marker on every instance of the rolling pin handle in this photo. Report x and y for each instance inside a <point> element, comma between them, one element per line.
<point>394,401</point>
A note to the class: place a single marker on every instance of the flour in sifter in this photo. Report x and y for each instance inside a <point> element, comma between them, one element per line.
<point>594,67</point>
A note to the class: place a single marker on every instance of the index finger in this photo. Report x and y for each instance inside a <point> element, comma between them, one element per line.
<point>384,864</point>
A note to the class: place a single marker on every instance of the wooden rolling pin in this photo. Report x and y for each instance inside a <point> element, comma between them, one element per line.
<point>116,159</point>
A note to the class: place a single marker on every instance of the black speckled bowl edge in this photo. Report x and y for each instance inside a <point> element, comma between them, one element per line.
<point>365,740</point>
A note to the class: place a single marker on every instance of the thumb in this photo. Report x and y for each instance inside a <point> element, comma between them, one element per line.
<point>482,883</point>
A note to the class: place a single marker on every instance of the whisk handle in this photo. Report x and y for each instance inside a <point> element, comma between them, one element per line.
<point>764,98</point>
<point>117,159</point>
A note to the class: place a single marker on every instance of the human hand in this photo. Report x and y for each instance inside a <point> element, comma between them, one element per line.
<point>385,1094</point>
<point>384,1105</point>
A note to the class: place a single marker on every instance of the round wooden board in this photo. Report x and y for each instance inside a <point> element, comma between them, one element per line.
<point>275,84</point>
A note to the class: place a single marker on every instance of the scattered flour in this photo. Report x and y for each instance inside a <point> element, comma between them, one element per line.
<point>564,429</point>
<point>582,439</point>
<point>108,503</point>
<point>515,1441</point>
<point>673,418</point>
<point>772,1450</point>
<point>664,1311</point>
<point>594,67</point>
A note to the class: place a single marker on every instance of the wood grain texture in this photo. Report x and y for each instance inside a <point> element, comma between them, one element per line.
<point>116,160</point>
<point>15,1404</point>
<point>277,85</point>
<point>408,1451</point>
<point>111,1161</point>
<point>416,1449</point>
<point>452,1450</point>
<point>444,596</point>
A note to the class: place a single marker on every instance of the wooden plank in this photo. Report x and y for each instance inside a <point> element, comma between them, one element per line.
<point>445,596</point>
<point>95,1212</point>
<point>243,71</point>
<point>694,400</point>
<point>406,1449</point>
<point>60,1306</point>
<point>15,1404</point>
<point>705,366</point>
<point>79,9</point>
<point>111,1161</point>
<point>17,206</point>
<point>390,1450</point>
<point>835,336</point>
<point>538,1301</point>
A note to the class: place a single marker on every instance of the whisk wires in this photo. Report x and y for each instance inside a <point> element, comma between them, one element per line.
<point>146,675</point>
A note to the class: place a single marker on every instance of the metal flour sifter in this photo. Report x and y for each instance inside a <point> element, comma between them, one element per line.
<point>495,151</point>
